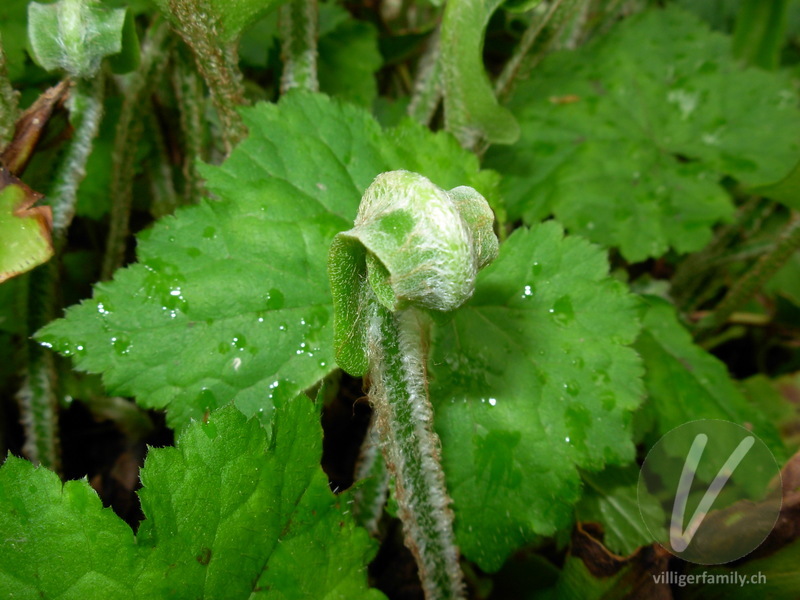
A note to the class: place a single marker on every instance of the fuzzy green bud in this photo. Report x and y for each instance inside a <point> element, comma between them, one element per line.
<point>413,244</point>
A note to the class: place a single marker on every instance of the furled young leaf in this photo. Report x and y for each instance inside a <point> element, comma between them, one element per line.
<point>74,35</point>
<point>230,299</point>
<point>685,383</point>
<point>230,513</point>
<point>626,139</point>
<point>25,240</point>
<point>470,107</point>
<point>531,380</point>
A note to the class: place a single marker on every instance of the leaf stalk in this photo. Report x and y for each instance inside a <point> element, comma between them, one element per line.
<point>755,278</point>
<point>404,420</point>
<point>299,21</point>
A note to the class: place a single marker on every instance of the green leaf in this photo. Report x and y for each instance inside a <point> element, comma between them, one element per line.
<point>532,380</point>
<point>24,228</point>
<point>74,35</point>
<point>471,109</point>
<point>786,282</point>
<point>60,541</point>
<point>616,580</point>
<point>611,499</point>
<point>14,31</point>
<point>230,299</point>
<point>230,513</point>
<point>348,60</point>
<point>686,383</point>
<point>773,576</point>
<point>626,139</point>
<point>775,399</point>
<point>786,191</point>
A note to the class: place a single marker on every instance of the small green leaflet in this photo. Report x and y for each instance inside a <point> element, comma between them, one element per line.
<point>231,512</point>
<point>531,380</point>
<point>25,240</point>
<point>626,140</point>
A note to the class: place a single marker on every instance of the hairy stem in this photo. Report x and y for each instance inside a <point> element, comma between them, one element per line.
<point>86,112</point>
<point>189,93</point>
<point>404,418</point>
<point>699,277</point>
<point>9,103</point>
<point>370,498</point>
<point>164,199</point>
<point>216,61</point>
<point>129,129</point>
<point>428,83</point>
<point>299,21</point>
<point>38,396</point>
<point>757,276</point>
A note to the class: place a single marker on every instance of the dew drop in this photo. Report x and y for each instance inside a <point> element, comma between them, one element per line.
<point>562,311</point>
<point>275,299</point>
<point>121,345</point>
<point>239,342</point>
<point>608,400</point>
<point>527,292</point>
